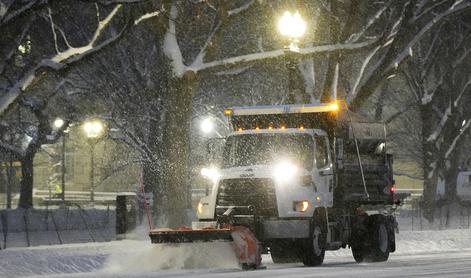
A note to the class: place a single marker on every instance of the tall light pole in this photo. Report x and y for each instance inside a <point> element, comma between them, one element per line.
<point>59,123</point>
<point>95,130</point>
<point>293,27</point>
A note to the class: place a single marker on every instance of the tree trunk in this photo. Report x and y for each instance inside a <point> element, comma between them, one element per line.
<point>402,38</point>
<point>26,189</point>
<point>451,177</point>
<point>151,169</point>
<point>379,107</point>
<point>172,195</point>
<point>369,87</point>
<point>7,175</point>
<point>430,164</point>
<point>9,185</point>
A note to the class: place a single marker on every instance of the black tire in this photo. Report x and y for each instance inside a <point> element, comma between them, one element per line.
<point>379,244</point>
<point>373,246</point>
<point>392,233</point>
<point>359,253</point>
<point>284,251</point>
<point>312,253</point>
<point>248,267</point>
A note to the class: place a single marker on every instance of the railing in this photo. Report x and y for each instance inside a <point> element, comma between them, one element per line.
<point>46,197</point>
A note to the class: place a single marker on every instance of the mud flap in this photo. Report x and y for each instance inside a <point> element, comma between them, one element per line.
<point>391,225</point>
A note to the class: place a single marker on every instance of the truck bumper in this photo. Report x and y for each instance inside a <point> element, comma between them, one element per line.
<point>273,229</point>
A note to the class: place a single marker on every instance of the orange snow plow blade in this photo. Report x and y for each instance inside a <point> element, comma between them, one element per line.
<point>243,242</point>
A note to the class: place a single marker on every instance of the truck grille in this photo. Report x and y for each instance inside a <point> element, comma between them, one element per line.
<point>259,193</point>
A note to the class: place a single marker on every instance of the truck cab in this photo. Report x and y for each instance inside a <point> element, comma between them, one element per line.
<point>282,173</point>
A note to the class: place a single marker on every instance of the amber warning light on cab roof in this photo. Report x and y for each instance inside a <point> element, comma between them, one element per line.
<point>334,106</point>
<point>228,112</point>
<point>284,109</point>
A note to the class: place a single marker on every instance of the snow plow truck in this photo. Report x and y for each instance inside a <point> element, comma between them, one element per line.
<point>296,181</point>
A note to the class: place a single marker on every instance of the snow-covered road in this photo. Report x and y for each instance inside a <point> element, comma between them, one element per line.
<point>420,254</point>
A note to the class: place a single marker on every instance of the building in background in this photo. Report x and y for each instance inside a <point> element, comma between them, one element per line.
<point>114,170</point>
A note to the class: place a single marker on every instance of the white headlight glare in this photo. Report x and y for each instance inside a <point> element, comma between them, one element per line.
<point>211,174</point>
<point>285,171</point>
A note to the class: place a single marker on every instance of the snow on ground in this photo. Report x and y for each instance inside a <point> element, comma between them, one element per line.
<point>140,258</point>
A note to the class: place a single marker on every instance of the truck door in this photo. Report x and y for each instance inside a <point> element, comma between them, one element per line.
<point>323,172</point>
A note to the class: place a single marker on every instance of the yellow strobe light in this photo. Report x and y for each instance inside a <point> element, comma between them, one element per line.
<point>334,106</point>
<point>228,112</point>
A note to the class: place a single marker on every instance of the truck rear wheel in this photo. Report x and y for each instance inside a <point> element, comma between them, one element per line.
<point>313,252</point>
<point>359,253</point>
<point>379,238</point>
<point>375,245</point>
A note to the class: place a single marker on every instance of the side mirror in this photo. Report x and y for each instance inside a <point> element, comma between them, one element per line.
<point>209,147</point>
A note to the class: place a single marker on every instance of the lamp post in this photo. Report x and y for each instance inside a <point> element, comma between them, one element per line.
<point>293,27</point>
<point>59,123</point>
<point>94,130</point>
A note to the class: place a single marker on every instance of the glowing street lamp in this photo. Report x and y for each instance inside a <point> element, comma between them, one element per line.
<point>58,123</point>
<point>293,27</point>
<point>94,129</point>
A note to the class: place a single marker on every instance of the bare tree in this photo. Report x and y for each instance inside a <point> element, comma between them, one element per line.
<point>441,86</point>
<point>196,38</point>
<point>395,26</point>
<point>40,41</point>
<point>191,41</point>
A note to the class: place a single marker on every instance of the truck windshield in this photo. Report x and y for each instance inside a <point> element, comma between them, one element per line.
<point>262,149</point>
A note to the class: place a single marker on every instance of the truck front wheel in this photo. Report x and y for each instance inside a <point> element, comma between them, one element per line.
<point>313,252</point>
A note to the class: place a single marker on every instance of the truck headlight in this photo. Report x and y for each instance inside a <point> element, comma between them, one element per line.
<point>211,174</point>
<point>285,171</point>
